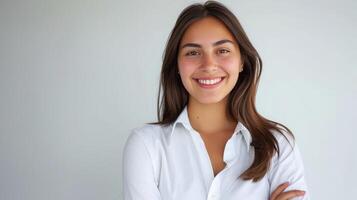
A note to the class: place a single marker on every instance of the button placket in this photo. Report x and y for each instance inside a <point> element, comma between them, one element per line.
<point>213,193</point>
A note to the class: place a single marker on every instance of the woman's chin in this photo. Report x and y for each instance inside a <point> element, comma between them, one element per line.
<point>209,100</point>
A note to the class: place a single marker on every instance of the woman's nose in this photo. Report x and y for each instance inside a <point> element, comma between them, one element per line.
<point>209,63</point>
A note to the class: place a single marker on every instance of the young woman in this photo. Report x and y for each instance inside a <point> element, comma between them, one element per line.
<point>210,142</point>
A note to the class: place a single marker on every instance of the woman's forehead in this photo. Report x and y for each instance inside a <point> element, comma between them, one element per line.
<point>206,31</point>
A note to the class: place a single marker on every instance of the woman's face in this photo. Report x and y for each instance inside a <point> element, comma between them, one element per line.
<point>209,61</point>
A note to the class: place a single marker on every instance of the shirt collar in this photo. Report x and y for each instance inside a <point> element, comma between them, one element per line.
<point>184,120</point>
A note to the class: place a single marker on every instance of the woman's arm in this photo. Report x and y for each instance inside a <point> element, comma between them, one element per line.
<point>138,174</point>
<point>288,168</point>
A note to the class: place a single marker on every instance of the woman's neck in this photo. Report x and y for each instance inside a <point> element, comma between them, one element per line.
<point>209,118</point>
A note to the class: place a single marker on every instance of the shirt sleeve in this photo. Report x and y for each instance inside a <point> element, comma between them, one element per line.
<point>288,168</point>
<point>138,174</point>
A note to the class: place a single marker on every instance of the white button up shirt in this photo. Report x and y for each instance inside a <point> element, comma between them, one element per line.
<point>172,163</point>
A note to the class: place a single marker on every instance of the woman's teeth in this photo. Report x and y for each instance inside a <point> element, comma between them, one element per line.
<point>210,82</point>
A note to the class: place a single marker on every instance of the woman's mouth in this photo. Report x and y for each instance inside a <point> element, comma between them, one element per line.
<point>209,82</point>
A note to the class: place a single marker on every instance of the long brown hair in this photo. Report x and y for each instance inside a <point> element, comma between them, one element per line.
<point>241,100</point>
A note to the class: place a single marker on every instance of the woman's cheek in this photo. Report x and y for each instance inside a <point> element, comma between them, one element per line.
<point>187,67</point>
<point>230,64</point>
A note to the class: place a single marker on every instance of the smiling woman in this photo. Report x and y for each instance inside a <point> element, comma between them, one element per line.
<point>216,63</point>
<point>209,141</point>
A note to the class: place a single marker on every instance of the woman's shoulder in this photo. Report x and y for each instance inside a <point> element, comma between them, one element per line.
<point>287,144</point>
<point>149,130</point>
<point>149,133</point>
<point>284,137</point>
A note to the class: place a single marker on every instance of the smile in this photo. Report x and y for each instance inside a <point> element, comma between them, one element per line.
<point>209,83</point>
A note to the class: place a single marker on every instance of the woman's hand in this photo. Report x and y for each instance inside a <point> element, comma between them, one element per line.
<point>278,194</point>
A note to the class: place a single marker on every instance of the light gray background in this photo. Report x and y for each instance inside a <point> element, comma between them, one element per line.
<point>76,76</point>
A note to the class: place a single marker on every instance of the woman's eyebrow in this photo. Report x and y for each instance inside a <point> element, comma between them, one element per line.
<point>214,44</point>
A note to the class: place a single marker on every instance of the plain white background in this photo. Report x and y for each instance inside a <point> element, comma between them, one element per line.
<point>76,76</point>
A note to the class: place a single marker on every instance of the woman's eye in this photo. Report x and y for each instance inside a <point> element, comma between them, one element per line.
<point>191,53</point>
<point>223,51</point>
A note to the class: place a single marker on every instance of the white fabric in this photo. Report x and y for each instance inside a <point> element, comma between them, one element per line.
<point>172,163</point>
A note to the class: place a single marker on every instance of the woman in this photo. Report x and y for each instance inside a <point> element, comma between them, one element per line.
<point>210,142</point>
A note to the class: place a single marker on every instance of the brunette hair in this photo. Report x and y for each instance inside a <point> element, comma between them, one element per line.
<point>241,100</point>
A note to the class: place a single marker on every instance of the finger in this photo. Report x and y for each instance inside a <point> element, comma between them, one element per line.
<point>278,190</point>
<point>290,194</point>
